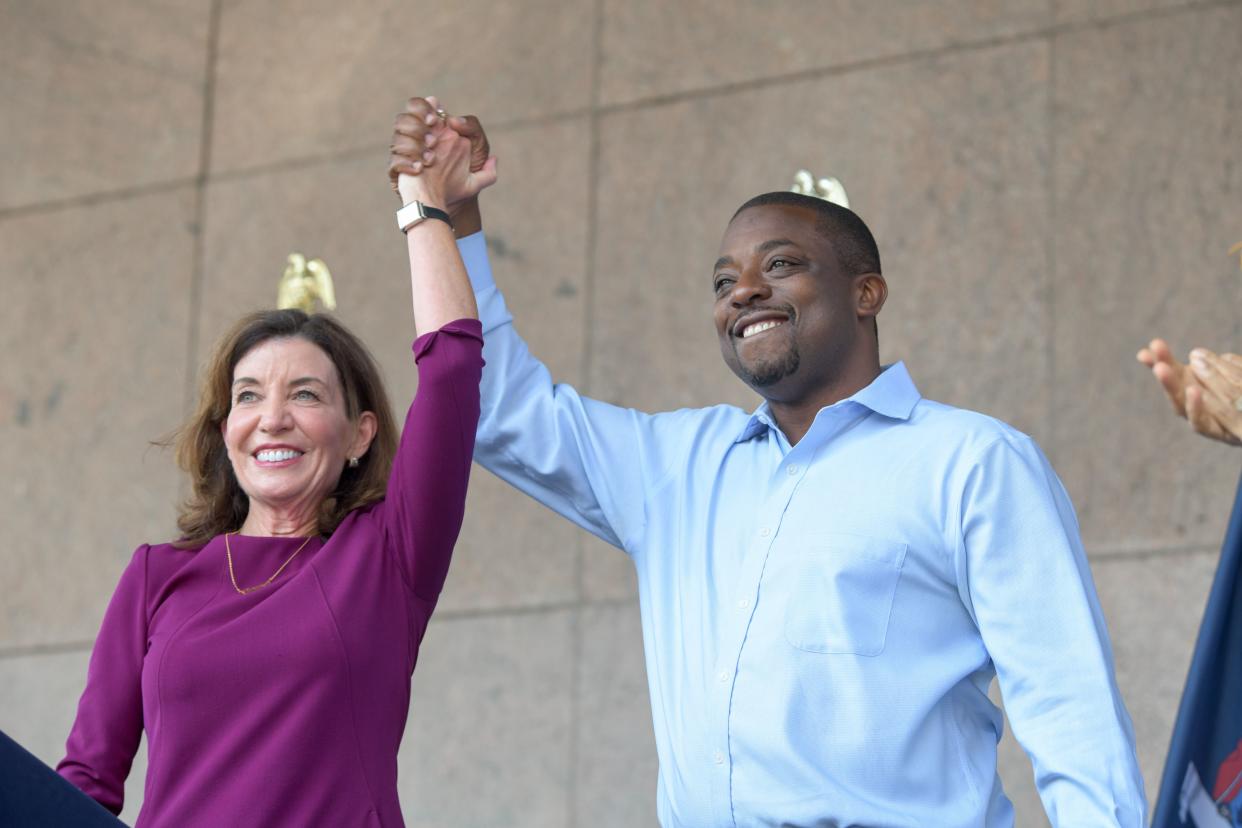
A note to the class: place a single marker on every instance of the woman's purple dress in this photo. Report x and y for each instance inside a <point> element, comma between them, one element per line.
<point>285,706</point>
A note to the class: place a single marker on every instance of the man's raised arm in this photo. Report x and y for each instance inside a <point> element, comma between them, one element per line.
<point>591,462</point>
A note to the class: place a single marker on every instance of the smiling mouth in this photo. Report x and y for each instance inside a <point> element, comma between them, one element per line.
<point>277,455</point>
<point>761,326</point>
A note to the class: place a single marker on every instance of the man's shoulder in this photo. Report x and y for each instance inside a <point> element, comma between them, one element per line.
<point>722,420</point>
<point>966,428</point>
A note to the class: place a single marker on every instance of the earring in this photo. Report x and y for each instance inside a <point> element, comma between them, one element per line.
<point>353,462</point>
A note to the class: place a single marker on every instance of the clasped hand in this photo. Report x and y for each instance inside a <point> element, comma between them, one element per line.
<point>439,159</point>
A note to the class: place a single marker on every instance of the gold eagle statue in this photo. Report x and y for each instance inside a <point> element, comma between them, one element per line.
<point>829,189</point>
<point>304,283</point>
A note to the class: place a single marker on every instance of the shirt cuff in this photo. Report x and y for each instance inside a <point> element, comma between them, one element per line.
<point>473,249</point>
<point>468,328</point>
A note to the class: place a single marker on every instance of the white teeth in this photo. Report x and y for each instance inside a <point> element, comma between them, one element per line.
<point>276,455</point>
<point>759,327</point>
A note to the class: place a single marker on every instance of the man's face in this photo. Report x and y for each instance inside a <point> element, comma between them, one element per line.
<point>784,311</point>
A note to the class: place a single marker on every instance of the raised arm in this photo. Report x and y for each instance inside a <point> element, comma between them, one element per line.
<point>593,463</point>
<point>426,496</point>
<point>438,281</point>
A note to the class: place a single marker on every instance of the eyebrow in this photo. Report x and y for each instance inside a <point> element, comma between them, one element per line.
<point>762,247</point>
<point>298,381</point>
<point>772,244</point>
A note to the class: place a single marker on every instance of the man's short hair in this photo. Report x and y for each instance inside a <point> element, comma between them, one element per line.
<point>845,231</point>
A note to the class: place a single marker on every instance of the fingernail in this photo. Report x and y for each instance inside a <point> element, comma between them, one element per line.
<point>431,119</point>
<point>1200,367</point>
<point>430,140</point>
<point>428,157</point>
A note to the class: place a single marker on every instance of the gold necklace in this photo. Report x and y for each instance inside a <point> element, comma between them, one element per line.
<point>228,553</point>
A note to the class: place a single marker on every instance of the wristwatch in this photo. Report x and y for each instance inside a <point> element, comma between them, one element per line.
<point>414,212</point>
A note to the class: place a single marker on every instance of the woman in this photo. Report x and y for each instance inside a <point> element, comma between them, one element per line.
<point>268,653</point>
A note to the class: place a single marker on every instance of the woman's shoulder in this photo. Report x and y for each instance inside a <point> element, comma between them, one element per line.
<point>170,550</point>
<point>157,562</point>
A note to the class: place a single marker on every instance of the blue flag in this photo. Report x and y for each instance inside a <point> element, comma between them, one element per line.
<point>1202,783</point>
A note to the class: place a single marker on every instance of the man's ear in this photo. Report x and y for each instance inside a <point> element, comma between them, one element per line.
<point>871,291</point>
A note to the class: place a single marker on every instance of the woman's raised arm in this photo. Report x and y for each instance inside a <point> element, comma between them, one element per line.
<point>441,290</point>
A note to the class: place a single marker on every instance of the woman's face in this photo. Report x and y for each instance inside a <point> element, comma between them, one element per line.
<point>287,433</point>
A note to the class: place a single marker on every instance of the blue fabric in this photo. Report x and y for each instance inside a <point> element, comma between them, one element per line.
<point>821,622</point>
<point>1203,771</point>
<point>32,795</point>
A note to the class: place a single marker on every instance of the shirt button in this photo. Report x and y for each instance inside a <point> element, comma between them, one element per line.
<point>743,604</point>
<point>764,532</point>
<point>718,758</point>
<point>723,675</point>
<point>794,469</point>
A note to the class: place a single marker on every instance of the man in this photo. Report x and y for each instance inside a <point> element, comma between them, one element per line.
<point>828,584</point>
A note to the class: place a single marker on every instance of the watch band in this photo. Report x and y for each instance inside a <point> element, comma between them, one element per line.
<point>414,212</point>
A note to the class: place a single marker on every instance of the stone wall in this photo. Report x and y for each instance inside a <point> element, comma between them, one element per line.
<point>1051,182</point>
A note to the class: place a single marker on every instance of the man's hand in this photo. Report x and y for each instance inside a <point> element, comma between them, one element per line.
<point>417,132</point>
<point>1205,392</point>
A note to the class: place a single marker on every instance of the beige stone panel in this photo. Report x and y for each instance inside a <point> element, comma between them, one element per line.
<point>1081,11</point>
<point>1154,605</point>
<point>1017,776</point>
<point>615,777</point>
<point>1147,121</point>
<point>40,694</point>
<point>653,48</point>
<point>939,155</point>
<point>607,572</point>
<point>307,78</point>
<point>488,739</point>
<point>95,343</point>
<point>513,552</point>
<point>96,102</point>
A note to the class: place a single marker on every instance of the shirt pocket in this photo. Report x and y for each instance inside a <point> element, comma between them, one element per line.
<point>841,593</point>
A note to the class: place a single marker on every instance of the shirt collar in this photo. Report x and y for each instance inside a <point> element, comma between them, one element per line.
<point>891,394</point>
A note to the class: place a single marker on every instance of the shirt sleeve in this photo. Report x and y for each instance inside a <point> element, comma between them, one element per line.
<point>426,498</point>
<point>589,461</point>
<point>108,726</point>
<point>1029,588</point>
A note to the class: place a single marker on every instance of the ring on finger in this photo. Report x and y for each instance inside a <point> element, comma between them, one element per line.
<point>1237,404</point>
<point>443,115</point>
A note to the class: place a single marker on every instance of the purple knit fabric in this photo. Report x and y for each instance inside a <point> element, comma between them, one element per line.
<point>285,706</point>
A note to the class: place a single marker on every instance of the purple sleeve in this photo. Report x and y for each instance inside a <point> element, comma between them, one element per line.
<point>108,727</point>
<point>426,497</point>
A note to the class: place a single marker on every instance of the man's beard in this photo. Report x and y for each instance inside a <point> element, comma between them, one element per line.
<point>770,371</point>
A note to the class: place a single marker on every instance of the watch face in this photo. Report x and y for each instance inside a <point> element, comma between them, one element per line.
<point>410,215</point>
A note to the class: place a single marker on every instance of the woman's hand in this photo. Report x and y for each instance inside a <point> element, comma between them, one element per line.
<point>1206,392</point>
<point>423,135</point>
<point>448,172</point>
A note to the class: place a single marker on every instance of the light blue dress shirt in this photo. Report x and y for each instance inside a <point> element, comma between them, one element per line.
<point>821,622</point>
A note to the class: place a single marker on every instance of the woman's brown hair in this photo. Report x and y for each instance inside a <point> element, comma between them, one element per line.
<point>216,503</point>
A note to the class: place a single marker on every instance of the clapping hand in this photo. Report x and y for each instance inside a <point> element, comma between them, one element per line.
<point>1207,392</point>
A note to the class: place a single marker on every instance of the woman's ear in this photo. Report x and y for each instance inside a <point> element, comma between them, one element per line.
<point>365,433</point>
